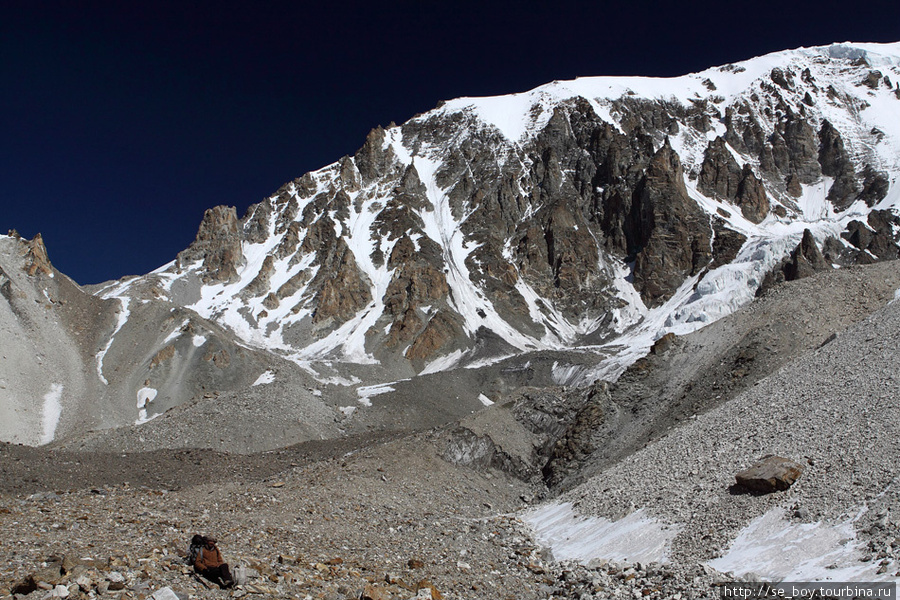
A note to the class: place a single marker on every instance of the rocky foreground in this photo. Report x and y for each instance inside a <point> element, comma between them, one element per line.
<point>393,521</point>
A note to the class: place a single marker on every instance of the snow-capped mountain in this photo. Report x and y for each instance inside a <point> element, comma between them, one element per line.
<point>593,215</point>
<point>558,217</point>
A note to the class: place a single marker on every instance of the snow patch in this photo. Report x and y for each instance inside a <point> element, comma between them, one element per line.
<point>570,536</point>
<point>567,374</point>
<point>175,333</point>
<point>485,400</point>
<point>368,391</point>
<point>774,548</point>
<point>198,340</point>
<point>145,395</point>
<point>267,377</point>
<point>51,412</point>
<point>443,363</point>
<point>123,318</point>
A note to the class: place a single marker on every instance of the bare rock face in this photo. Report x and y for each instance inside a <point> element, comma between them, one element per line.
<point>751,196</point>
<point>875,186</point>
<point>441,331</point>
<point>371,160</point>
<point>720,175</point>
<point>218,244</point>
<point>836,163</point>
<point>770,474</point>
<point>415,284</point>
<point>260,283</point>
<point>875,239</point>
<point>345,292</point>
<point>805,260</point>
<point>671,233</point>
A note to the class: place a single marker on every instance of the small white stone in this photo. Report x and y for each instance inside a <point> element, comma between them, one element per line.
<point>165,593</point>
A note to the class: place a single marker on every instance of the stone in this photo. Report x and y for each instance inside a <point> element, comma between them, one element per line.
<point>440,332</point>
<point>770,474</point>
<point>345,290</point>
<point>373,592</point>
<point>720,174</point>
<point>85,583</point>
<point>60,591</point>
<point>751,196</point>
<point>663,343</point>
<point>25,587</point>
<point>165,593</point>
<point>428,587</point>
<point>805,260</point>
<point>671,234</point>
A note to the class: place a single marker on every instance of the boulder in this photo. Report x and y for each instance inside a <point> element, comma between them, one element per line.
<point>770,474</point>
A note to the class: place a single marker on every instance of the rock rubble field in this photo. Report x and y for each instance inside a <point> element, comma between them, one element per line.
<point>393,521</point>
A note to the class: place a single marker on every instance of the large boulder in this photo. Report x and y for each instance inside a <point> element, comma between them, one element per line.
<point>770,474</point>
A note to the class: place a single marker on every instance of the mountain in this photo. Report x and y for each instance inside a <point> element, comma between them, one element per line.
<point>558,233</point>
<point>557,218</point>
<point>515,347</point>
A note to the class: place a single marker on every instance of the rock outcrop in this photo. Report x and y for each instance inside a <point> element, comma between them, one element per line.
<point>218,245</point>
<point>671,234</point>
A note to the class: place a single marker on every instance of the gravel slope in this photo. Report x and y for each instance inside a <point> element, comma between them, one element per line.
<point>835,409</point>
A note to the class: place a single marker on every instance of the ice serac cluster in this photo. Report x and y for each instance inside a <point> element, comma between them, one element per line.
<point>563,217</point>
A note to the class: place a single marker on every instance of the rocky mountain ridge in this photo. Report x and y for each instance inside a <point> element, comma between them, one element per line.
<point>559,217</point>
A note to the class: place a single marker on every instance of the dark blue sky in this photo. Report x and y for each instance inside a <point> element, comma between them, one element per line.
<point>124,121</point>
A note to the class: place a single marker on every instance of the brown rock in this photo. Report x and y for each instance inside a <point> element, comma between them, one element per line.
<point>720,174</point>
<point>751,196</point>
<point>805,260</point>
<point>671,233</point>
<point>663,343</point>
<point>373,592</point>
<point>770,474</point>
<point>372,160</point>
<point>260,283</point>
<point>162,356</point>
<point>36,259</point>
<point>218,244</point>
<point>439,332</point>
<point>427,585</point>
<point>345,292</point>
